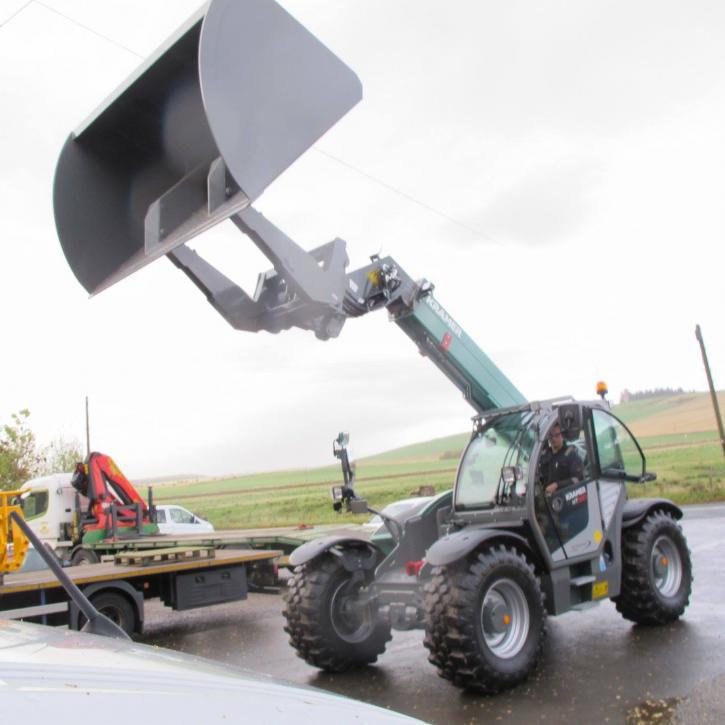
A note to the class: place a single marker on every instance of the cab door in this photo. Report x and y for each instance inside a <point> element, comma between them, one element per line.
<point>619,459</point>
<point>573,509</point>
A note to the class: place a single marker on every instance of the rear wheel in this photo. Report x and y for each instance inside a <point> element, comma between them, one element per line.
<point>117,608</point>
<point>485,623</point>
<point>328,620</point>
<point>656,571</point>
<point>84,556</point>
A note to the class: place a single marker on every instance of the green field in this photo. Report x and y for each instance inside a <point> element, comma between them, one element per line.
<point>677,433</point>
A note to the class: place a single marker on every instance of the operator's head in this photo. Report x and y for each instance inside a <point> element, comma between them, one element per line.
<point>556,439</point>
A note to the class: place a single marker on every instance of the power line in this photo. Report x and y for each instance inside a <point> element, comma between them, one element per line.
<point>87,28</point>
<point>360,172</point>
<point>409,198</point>
<point>16,13</point>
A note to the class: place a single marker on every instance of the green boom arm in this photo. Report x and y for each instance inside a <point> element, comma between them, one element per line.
<point>438,336</point>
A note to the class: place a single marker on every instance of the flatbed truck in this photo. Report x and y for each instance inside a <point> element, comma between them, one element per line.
<point>181,577</point>
<point>54,510</point>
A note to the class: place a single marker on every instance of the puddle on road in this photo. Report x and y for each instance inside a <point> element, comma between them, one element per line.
<point>651,712</point>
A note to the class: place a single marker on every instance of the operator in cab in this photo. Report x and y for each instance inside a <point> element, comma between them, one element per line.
<point>559,467</point>
<point>560,463</point>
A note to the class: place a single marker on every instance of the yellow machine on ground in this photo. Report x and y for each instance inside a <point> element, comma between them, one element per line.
<point>13,542</point>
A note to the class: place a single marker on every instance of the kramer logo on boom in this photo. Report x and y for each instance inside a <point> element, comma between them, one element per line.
<point>450,322</point>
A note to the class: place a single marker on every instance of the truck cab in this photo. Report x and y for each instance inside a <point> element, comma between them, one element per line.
<point>48,504</point>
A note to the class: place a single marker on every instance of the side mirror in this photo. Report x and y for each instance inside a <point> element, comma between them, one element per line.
<point>570,420</point>
<point>647,477</point>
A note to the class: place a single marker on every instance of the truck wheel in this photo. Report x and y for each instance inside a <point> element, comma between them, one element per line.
<point>117,608</point>
<point>485,622</point>
<point>84,556</point>
<point>326,624</point>
<point>656,571</point>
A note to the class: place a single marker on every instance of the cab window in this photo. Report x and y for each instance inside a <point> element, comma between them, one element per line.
<point>618,452</point>
<point>506,442</point>
<point>160,516</point>
<point>35,504</point>
<point>181,516</point>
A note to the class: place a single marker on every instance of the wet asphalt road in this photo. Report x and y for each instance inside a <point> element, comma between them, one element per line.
<point>597,667</point>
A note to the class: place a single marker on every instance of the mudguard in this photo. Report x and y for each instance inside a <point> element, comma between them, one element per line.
<point>637,509</point>
<point>312,549</point>
<point>455,546</point>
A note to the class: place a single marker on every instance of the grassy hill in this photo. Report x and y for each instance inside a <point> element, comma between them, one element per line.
<point>677,433</point>
<point>682,414</point>
<point>449,447</point>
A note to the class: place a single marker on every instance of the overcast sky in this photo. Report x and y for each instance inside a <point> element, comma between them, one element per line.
<point>557,169</point>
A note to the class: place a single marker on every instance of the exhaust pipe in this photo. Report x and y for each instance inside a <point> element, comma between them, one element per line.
<point>194,136</point>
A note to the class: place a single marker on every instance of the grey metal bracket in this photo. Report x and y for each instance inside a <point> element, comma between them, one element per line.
<point>323,284</point>
<point>204,197</point>
<point>304,289</point>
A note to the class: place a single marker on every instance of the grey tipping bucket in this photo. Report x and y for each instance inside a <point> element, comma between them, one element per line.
<point>194,136</point>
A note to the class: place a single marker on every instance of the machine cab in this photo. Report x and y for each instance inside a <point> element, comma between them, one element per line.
<point>556,471</point>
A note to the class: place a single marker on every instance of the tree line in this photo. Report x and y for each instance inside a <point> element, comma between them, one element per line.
<point>628,395</point>
<point>22,458</point>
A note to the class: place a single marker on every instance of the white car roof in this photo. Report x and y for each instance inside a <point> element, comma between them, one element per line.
<point>52,674</point>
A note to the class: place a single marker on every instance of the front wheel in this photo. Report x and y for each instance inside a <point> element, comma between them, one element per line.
<point>656,571</point>
<point>485,622</point>
<point>330,622</point>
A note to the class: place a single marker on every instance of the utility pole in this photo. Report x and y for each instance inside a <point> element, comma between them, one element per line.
<point>88,432</point>
<point>713,394</point>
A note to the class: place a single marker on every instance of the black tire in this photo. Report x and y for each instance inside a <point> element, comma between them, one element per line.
<point>117,608</point>
<point>656,571</point>
<point>322,627</point>
<point>485,622</point>
<point>84,556</point>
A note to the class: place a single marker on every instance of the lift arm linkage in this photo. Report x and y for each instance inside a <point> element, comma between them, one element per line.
<point>193,137</point>
<point>311,290</point>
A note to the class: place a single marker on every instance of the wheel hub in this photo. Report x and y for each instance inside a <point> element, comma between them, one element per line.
<point>496,617</point>
<point>505,618</point>
<point>352,619</point>
<point>666,566</point>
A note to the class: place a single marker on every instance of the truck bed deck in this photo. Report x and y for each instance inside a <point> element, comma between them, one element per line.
<point>37,580</point>
<point>228,537</point>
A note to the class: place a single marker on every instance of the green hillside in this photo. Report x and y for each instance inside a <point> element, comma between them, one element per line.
<point>449,447</point>
<point>677,433</point>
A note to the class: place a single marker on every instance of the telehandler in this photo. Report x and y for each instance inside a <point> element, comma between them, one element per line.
<point>481,567</point>
<point>193,138</point>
